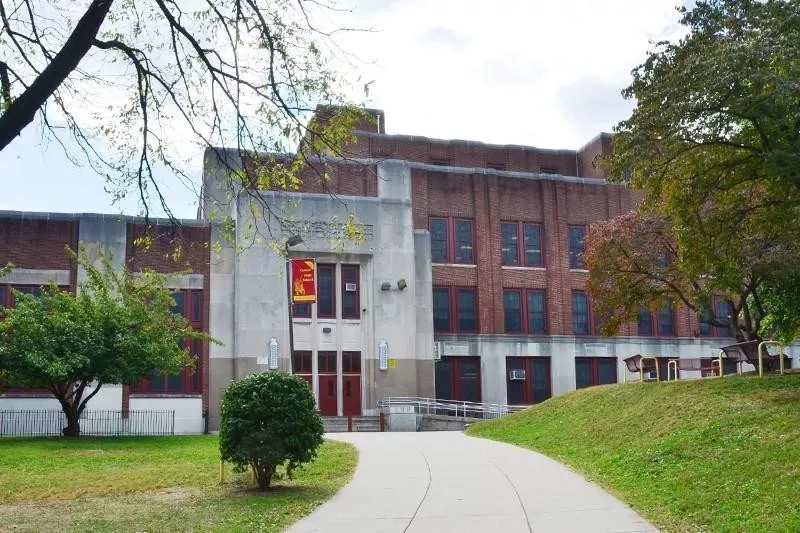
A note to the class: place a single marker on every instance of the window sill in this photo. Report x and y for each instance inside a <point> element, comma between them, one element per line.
<point>581,270</point>
<point>517,267</point>
<point>27,395</point>
<point>458,265</point>
<point>165,395</point>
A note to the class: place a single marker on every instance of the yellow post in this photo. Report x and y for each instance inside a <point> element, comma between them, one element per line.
<point>641,368</point>
<point>673,364</point>
<point>761,347</point>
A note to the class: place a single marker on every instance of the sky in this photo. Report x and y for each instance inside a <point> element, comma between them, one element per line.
<point>545,73</point>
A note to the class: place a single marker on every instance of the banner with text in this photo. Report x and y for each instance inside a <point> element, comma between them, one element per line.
<point>304,286</point>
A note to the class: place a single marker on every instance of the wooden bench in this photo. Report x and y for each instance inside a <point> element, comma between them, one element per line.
<point>755,353</point>
<point>636,363</point>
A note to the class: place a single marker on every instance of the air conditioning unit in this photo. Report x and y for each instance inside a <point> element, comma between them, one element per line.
<point>437,351</point>
<point>517,375</point>
<point>350,287</point>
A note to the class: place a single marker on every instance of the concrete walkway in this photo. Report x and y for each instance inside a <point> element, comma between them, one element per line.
<point>448,482</point>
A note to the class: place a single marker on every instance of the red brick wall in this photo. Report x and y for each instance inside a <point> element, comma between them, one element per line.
<point>37,243</point>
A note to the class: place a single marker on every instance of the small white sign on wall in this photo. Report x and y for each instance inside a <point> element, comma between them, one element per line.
<point>383,356</point>
<point>456,349</point>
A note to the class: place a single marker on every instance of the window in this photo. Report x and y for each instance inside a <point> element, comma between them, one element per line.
<point>661,323</point>
<point>189,304</point>
<point>703,319</point>
<point>591,371</point>
<point>581,323</point>
<point>460,299</point>
<point>351,292</point>
<point>521,243</point>
<point>496,166</point>
<point>452,240</point>
<point>509,245</point>
<point>326,288</point>
<point>722,310</point>
<point>524,311</point>
<point>548,170</point>
<point>351,362</point>
<point>326,362</point>
<point>512,308</point>
<point>440,162</point>
<point>301,362</point>
<point>576,246</point>
<point>534,387</point>
<point>719,309</point>
<point>301,310</point>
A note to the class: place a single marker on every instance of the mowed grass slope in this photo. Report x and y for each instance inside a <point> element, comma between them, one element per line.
<point>152,484</point>
<point>710,455</point>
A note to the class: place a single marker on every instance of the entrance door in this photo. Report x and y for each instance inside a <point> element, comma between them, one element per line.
<point>351,383</point>
<point>326,373</point>
<point>459,378</point>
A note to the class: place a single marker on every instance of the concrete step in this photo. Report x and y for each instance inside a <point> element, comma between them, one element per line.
<point>340,424</point>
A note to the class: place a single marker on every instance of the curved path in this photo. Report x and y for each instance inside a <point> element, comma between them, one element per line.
<point>448,482</point>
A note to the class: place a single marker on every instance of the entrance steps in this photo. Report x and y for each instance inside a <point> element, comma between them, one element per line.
<point>344,424</point>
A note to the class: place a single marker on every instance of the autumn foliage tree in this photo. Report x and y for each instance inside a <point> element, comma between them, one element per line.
<point>714,144</point>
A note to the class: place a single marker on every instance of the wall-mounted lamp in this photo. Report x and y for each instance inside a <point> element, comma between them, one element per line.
<point>386,286</point>
<point>273,354</point>
<point>401,284</point>
<point>383,356</point>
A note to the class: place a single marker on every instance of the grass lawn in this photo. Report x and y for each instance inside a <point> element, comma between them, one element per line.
<point>152,484</point>
<point>711,455</point>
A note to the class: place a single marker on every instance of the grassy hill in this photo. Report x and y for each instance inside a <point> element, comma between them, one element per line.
<point>704,455</point>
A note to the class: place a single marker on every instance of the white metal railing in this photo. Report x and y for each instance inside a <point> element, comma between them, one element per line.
<point>434,406</point>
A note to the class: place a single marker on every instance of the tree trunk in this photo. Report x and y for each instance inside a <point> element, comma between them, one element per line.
<point>73,428</point>
<point>263,474</point>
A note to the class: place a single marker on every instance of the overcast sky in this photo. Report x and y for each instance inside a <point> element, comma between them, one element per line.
<point>545,73</point>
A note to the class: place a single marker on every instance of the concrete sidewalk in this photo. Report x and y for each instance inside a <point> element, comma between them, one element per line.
<point>448,482</point>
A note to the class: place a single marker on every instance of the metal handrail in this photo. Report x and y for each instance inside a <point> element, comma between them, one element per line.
<point>450,407</point>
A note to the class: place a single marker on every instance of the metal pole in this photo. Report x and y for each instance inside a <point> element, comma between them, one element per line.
<point>289,298</point>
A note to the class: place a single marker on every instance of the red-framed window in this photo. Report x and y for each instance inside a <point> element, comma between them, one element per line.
<point>351,292</point>
<point>577,246</point>
<point>326,291</point>
<point>326,362</point>
<point>591,371</point>
<point>302,362</point>
<point>582,323</point>
<point>521,244</point>
<point>525,311</point>
<point>455,310</point>
<point>301,310</point>
<point>656,324</point>
<point>351,362</point>
<point>452,240</point>
<point>189,304</point>
<point>527,380</point>
<point>458,378</point>
<point>721,310</point>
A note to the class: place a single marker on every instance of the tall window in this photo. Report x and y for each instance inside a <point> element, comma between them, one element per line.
<point>326,289</point>
<point>580,313</point>
<point>351,292</point>
<point>302,361</point>
<point>722,310</point>
<point>452,240</point>
<point>590,371</point>
<point>666,321</point>
<point>703,319</point>
<point>527,380</point>
<point>521,244</point>
<point>455,310</point>
<point>661,323</point>
<point>524,311</point>
<point>577,246</point>
<point>645,322</point>
<point>189,304</point>
<point>719,309</point>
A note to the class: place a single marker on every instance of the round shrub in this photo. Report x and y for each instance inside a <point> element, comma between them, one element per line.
<point>269,420</point>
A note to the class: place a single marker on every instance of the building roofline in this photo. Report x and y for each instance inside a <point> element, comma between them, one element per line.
<point>69,217</point>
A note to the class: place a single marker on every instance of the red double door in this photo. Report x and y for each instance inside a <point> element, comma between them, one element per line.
<point>351,383</point>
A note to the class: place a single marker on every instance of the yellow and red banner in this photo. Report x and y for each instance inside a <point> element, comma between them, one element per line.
<point>304,282</point>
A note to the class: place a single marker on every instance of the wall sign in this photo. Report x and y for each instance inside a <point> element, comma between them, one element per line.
<point>304,283</point>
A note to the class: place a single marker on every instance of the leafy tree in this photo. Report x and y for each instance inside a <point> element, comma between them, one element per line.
<point>714,144</point>
<point>241,74</point>
<point>118,329</point>
<point>269,420</point>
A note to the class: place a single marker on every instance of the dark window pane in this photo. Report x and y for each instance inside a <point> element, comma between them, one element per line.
<point>536,313</point>
<point>465,302</point>
<point>512,306</point>
<point>175,383</point>
<point>580,313</point>
<point>665,322</point>
<point>607,371</point>
<point>180,298</point>
<point>3,302</point>
<point>326,302</point>
<point>438,229</point>
<point>197,306</point>
<point>327,362</point>
<point>351,362</point>
<point>645,322</point>
<point>464,241</point>
<point>302,362</point>
<point>533,245</point>
<point>441,309</point>
<point>301,310</point>
<point>540,381</point>
<point>722,310</point>
<point>444,379</point>
<point>703,319</point>
<point>583,373</point>
<point>576,246</point>
<point>351,306</point>
<point>509,246</point>
<point>469,379</point>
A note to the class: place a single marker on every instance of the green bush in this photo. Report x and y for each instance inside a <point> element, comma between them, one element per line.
<point>269,420</point>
